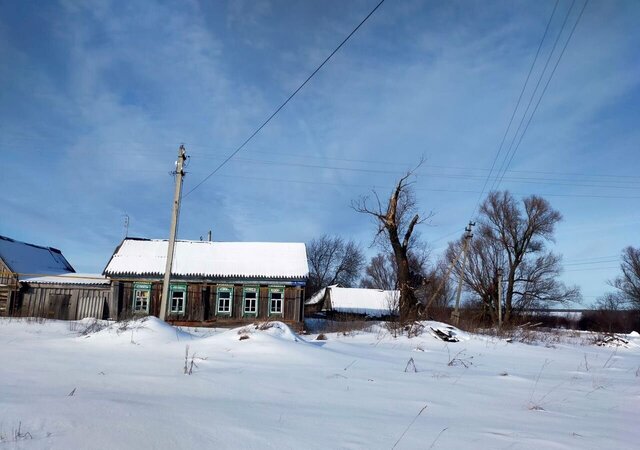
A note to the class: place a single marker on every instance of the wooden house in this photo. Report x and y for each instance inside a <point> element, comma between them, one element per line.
<point>37,281</point>
<point>212,283</point>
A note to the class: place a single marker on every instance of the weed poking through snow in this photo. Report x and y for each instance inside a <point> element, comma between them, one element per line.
<point>411,366</point>
<point>459,359</point>
<point>189,364</point>
<point>16,435</point>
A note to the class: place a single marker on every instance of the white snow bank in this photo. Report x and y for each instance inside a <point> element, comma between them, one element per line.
<point>260,330</point>
<point>272,392</point>
<point>146,330</point>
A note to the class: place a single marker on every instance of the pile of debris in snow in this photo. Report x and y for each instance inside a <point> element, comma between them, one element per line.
<point>610,340</point>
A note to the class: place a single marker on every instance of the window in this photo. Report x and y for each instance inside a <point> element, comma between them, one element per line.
<point>225,296</point>
<point>276,295</point>
<point>141,296</point>
<point>250,301</point>
<point>178,297</point>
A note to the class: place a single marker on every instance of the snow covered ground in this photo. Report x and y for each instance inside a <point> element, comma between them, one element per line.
<point>126,388</point>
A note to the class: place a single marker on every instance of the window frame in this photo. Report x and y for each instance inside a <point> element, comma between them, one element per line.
<point>178,287</point>
<point>273,290</point>
<point>256,290</point>
<point>141,287</point>
<point>219,290</point>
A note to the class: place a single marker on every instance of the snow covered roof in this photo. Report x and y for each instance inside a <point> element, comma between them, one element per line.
<point>316,298</point>
<point>32,260</point>
<point>282,260</point>
<point>372,302</point>
<point>70,278</point>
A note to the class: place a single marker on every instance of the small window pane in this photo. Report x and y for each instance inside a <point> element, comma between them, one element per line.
<point>224,300</point>
<point>141,300</point>
<point>177,301</point>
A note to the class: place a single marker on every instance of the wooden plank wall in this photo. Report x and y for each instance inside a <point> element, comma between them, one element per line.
<point>50,301</point>
<point>8,291</point>
<point>201,303</point>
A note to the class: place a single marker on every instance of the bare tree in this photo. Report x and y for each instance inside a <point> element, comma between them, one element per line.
<point>332,260</point>
<point>513,238</point>
<point>436,292</point>
<point>380,273</point>
<point>628,282</point>
<point>396,223</point>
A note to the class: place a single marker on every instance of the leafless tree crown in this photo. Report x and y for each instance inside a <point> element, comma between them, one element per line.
<point>332,260</point>
<point>628,282</point>
<point>513,238</point>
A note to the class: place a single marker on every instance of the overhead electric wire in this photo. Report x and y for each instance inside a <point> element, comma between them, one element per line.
<point>504,167</point>
<point>544,90</point>
<point>257,130</point>
<point>593,258</point>
<point>326,183</point>
<point>605,261</point>
<point>524,86</point>
<point>506,131</point>
<point>568,181</point>
<point>633,179</point>
<point>533,94</point>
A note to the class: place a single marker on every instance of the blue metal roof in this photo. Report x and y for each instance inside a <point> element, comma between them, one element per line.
<point>29,259</point>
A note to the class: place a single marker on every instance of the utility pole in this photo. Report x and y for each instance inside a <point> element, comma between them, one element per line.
<point>499,271</point>
<point>455,315</point>
<point>179,174</point>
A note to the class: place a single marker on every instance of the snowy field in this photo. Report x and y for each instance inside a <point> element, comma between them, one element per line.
<point>126,388</point>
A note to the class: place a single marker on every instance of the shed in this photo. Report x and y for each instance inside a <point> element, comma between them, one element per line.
<point>38,281</point>
<point>340,302</point>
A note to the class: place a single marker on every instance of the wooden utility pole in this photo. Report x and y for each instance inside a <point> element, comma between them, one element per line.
<point>179,174</point>
<point>499,297</point>
<point>455,315</point>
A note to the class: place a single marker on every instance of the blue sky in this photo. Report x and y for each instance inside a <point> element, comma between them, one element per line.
<point>97,96</point>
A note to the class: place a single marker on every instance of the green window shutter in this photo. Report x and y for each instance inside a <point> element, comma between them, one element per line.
<point>141,298</point>
<point>276,300</point>
<point>224,300</point>
<point>250,301</point>
<point>178,296</point>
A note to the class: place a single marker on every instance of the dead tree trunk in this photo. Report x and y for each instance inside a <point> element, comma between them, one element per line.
<point>393,222</point>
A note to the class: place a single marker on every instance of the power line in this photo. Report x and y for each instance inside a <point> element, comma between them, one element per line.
<point>535,91</point>
<point>287,100</point>
<point>575,25</point>
<point>604,261</point>
<point>593,258</point>
<point>506,131</point>
<point>592,268</point>
<point>326,183</point>
<point>633,179</point>
<point>527,180</point>
<point>531,99</point>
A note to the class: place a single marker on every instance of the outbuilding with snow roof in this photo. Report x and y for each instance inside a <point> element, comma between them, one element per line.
<point>348,303</point>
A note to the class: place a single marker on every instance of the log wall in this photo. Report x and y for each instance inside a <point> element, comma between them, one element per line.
<point>201,303</point>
